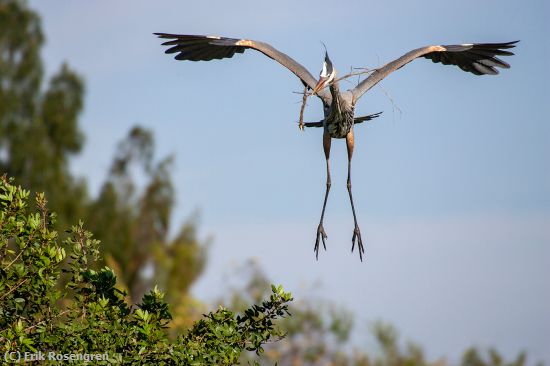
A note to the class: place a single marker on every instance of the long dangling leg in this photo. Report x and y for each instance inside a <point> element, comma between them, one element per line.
<point>356,232</point>
<point>321,235</point>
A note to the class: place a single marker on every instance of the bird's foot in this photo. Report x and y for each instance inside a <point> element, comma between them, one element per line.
<point>357,236</point>
<point>321,235</point>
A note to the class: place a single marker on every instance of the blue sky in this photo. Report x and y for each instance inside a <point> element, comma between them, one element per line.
<point>451,183</point>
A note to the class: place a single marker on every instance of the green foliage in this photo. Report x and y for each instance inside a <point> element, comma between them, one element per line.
<point>316,333</point>
<point>472,357</point>
<point>244,332</point>
<point>87,313</point>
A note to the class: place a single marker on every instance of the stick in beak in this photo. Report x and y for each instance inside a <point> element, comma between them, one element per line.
<point>320,85</point>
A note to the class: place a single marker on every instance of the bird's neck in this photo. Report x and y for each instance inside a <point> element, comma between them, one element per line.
<point>335,91</point>
<point>334,87</point>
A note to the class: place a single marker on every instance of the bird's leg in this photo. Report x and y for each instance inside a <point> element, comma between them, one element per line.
<point>356,232</point>
<point>321,235</point>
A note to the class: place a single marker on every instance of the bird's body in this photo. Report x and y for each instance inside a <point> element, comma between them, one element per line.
<point>339,106</point>
<point>338,120</point>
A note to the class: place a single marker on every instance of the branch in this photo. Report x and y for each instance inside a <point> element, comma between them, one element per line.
<point>392,101</point>
<point>365,70</point>
<point>14,288</point>
<point>303,107</point>
<point>44,321</point>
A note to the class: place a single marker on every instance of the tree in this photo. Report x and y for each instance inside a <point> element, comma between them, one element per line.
<point>87,315</point>
<point>137,224</point>
<point>318,333</point>
<point>39,132</point>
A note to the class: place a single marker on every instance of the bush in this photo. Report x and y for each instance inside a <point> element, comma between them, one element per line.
<point>53,304</point>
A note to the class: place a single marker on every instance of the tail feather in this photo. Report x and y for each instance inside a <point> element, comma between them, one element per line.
<point>366,118</point>
<point>356,120</point>
<point>314,124</point>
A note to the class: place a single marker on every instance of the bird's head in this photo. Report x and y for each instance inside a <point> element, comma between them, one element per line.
<point>326,76</point>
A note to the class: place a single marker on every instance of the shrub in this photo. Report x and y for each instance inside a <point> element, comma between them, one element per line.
<point>53,304</point>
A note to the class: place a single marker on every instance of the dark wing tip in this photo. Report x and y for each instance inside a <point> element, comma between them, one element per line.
<point>369,117</point>
<point>501,45</point>
<point>200,47</point>
<point>165,35</point>
<point>477,58</point>
<point>171,35</point>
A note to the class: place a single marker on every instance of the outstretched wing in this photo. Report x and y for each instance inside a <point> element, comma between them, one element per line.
<point>477,58</point>
<point>206,48</point>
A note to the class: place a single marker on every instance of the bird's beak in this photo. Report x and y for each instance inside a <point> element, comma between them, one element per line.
<point>320,85</point>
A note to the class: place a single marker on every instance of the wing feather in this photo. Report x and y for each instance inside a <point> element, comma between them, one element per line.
<point>477,58</point>
<point>206,48</point>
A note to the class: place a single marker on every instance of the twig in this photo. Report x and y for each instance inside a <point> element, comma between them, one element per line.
<point>17,256</point>
<point>302,108</point>
<point>365,70</point>
<point>14,288</point>
<point>44,321</point>
<point>393,104</point>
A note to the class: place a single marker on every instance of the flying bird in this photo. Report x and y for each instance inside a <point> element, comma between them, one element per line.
<point>339,106</point>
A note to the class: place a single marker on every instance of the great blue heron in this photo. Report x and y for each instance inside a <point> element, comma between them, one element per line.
<point>338,106</point>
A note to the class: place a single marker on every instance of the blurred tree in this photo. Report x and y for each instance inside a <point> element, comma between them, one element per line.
<point>318,333</point>
<point>39,132</point>
<point>138,223</point>
<point>20,65</point>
